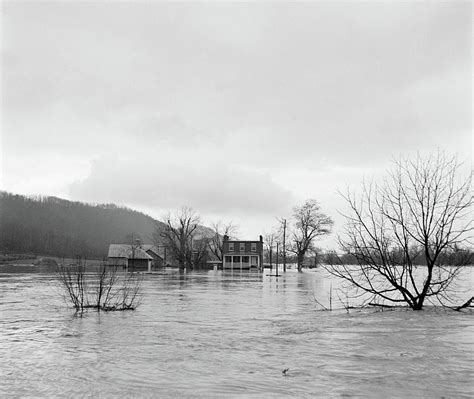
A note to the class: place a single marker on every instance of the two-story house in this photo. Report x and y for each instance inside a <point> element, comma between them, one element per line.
<point>238,254</point>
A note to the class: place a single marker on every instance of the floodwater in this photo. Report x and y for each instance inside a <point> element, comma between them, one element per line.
<point>223,334</point>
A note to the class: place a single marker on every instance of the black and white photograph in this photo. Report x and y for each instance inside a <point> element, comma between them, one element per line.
<point>236,199</point>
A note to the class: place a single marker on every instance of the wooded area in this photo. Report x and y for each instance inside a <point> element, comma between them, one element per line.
<point>53,226</point>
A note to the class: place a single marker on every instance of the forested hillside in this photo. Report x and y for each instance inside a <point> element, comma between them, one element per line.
<point>53,226</point>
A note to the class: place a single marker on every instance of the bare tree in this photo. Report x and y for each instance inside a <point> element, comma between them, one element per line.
<point>420,211</point>
<point>270,241</point>
<point>105,289</point>
<point>199,250</point>
<point>73,281</point>
<point>310,223</point>
<point>178,236</point>
<point>220,230</point>
<point>316,255</point>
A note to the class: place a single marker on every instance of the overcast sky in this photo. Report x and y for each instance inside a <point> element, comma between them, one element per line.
<point>239,110</point>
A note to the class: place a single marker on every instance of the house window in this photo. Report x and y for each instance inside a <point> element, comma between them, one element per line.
<point>254,260</point>
<point>231,246</point>
<point>254,247</point>
<point>228,259</point>
<point>245,259</point>
<point>242,246</point>
<point>236,259</point>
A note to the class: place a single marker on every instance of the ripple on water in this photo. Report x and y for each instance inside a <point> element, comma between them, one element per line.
<point>215,335</point>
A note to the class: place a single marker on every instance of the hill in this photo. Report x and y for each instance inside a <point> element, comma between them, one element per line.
<point>57,227</point>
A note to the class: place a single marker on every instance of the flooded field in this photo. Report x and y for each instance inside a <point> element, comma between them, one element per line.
<point>221,334</point>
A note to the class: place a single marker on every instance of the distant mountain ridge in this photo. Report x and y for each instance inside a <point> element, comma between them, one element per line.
<point>53,226</point>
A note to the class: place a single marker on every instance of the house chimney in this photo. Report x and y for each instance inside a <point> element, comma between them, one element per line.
<point>226,237</point>
<point>261,239</point>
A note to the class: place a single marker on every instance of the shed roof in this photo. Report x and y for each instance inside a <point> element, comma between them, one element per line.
<point>127,251</point>
<point>154,248</point>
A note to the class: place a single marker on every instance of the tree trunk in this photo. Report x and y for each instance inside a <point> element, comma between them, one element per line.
<point>300,261</point>
<point>418,305</point>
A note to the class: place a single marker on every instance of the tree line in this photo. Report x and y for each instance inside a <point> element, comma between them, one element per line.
<point>52,226</point>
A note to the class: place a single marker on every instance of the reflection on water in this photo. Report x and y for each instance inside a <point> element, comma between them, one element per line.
<point>227,334</point>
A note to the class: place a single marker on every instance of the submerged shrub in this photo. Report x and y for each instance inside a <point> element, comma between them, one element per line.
<point>106,289</point>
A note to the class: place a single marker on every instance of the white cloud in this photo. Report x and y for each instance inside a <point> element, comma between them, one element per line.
<point>145,178</point>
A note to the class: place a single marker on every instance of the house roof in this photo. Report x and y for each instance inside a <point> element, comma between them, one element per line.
<point>243,241</point>
<point>127,251</point>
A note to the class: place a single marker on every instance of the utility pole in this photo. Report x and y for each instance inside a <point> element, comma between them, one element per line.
<point>276,274</point>
<point>283,221</point>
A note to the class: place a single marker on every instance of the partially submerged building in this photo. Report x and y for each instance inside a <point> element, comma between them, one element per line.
<point>135,257</point>
<point>238,254</point>
<point>159,256</point>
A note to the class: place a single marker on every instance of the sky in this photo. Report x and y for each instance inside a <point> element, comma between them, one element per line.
<point>239,110</point>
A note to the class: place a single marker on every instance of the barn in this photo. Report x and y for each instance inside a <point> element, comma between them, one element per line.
<point>130,257</point>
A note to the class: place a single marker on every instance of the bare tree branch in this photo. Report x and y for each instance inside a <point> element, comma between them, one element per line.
<point>180,237</point>
<point>420,210</point>
<point>220,230</point>
<point>309,224</point>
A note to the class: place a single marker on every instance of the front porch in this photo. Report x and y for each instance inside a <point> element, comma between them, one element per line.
<point>245,261</point>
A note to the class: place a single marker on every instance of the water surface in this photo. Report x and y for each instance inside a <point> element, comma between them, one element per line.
<point>220,334</point>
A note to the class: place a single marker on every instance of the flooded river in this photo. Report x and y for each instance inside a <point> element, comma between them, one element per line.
<point>223,334</point>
